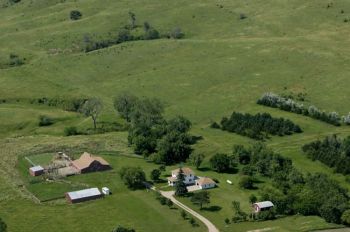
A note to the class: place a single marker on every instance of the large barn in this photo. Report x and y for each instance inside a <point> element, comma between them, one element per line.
<point>90,163</point>
<point>83,195</point>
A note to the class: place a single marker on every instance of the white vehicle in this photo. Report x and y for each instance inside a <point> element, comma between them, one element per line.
<point>229,182</point>
<point>106,191</point>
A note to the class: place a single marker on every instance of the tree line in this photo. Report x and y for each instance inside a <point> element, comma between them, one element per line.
<point>293,192</point>
<point>332,151</point>
<point>130,32</point>
<point>288,104</point>
<point>258,126</point>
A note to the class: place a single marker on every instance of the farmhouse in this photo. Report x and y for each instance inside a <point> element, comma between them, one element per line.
<point>189,176</point>
<point>262,206</point>
<point>36,170</point>
<point>83,195</point>
<point>205,183</point>
<point>89,163</point>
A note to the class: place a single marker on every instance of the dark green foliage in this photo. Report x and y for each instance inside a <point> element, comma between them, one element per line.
<point>332,151</point>
<point>155,174</point>
<point>258,126</point>
<point>193,221</point>
<point>132,17</point>
<point>246,182</point>
<point>266,215</point>
<point>200,198</point>
<point>174,147</point>
<point>288,104</point>
<point>345,218</point>
<point>70,131</point>
<point>150,32</point>
<point>196,159</point>
<point>122,229</point>
<point>183,214</point>
<point>68,104</point>
<point>45,120</point>
<point>222,163</point>
<point>241,154</point>
<point>180,186</point>
<point>242,16</point>
<point>227,221</point>
<point>15,60</point>
<point>75,15</point>
<point>252,199</point>
<point>3,226</point>
<point>215,125</point>
<point>133,177</point>
<point>14,1</point>
<point>169,203</point>
<point>238,214</point>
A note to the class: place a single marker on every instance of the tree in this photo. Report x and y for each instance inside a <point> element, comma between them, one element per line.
<point>196,159</point>
<point>241,154</point>
<point>155,174</point>
<point>133,177</point>
<point>45,120</point>
<point>92,108</point>
<point>252,199</point>
<point>123,229</point>
<point>221,162</point>
<point>246,182</point>
<point>180,186</point>
<point>132,17</point>
<point>169,203</point>
<point>345,218</point>
<point>3,226</point>
<point>124,105</point>
<point>238,214</point>
<point>176,33</point>
<point>183,214</point>
<point>200,198</point>
<point>174,147</point>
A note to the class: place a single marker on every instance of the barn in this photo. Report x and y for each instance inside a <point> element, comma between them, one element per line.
<point>90,163</point>
<point>262,206</point>
<point>36,170</point>
<point>83,195</point>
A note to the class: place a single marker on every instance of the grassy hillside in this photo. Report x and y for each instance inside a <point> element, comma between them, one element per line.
<point>223,63</point>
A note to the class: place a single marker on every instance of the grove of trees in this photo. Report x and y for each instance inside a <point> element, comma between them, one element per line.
<point>258,126</point>
<point>332,151</point>
<point>133,177</point>
<point>164,141</point>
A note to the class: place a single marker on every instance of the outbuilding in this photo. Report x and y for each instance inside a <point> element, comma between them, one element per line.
<point>90,163</point>
<point>36,170</point>
<point>83,195</point>
<point>205,183</point>
<point>262,206</point>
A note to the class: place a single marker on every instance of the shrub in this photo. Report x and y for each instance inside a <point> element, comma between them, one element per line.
<point>45,120</point>
<point>242,16</point>
<point>176,33</point>
<point>15,60</point>
<point>70,131</point>
<point>123,229</point>
<point>133,177</point>
<point>246,182</point>
<point>75,15</point>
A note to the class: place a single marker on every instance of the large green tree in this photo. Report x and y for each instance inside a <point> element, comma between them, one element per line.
<point>180,186</point>
<point>222,162</point>
<point>133,177</point>
<point>196,159</point>
<point>201,198</point>
<point>124,105</point>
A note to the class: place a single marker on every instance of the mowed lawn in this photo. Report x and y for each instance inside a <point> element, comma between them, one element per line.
<point>222,65</point>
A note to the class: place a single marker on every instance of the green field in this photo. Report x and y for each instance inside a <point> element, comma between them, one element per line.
<point>223,64</point>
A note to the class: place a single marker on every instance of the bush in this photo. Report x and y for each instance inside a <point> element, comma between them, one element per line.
<point>176,33</point>
<point>15,60</point>
<point>75,15</point>
<point>133,177</point>
<point>45,120</point>
<point>70,131</point>
<point>246,182</point>
<point>123,229</point>
<point>222,163</point>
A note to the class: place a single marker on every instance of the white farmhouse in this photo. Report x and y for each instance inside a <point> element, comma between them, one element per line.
<point>189,176</point>
<point>205,183</point>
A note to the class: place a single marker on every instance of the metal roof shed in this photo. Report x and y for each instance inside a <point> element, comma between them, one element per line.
<point>83,195</point>
<point>36,170</point>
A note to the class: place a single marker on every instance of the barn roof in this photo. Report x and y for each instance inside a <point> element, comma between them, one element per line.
<point>91,192</point>
<point>86,159</point>
<point>186,171</point>
<point>264,204</point>
<point>36,168</point>
<point>205,180</point>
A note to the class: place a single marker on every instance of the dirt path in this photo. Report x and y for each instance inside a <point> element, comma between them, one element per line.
<point>170,195</point>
